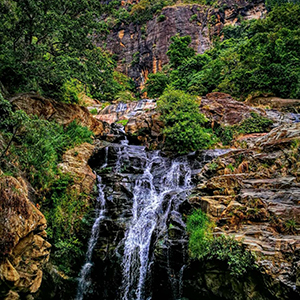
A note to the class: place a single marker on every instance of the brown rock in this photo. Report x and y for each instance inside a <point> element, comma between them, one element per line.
<point>24,250</point>
<point>260,202</point>
<point>291,105</point>
<point>128,41</point>
<point>75,162</point>
<point>63,113</point>
<point>223,109</point>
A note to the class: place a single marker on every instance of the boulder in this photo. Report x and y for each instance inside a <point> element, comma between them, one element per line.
<point>221,108</point>
<point>23,248</point>
<point>63,113</point>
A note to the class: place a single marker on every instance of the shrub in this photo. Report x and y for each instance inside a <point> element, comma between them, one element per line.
<point>156,84</point>
<point>122,122</point>
<point>94,111</point>
<point>204,246</point>
<point>183,122</point>
<point>161,18</point>
<point>256,123</point>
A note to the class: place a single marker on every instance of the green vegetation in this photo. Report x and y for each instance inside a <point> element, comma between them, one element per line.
<point>255,123</point>
<point>94,111</point>
<point>156,84</point>
<point>32,149</point>
<point>259,56</point>
<point>183,123</point>
<point>48,48</point>
<point>123,122</point>
<point>204,246</point>
<point>161,18</point>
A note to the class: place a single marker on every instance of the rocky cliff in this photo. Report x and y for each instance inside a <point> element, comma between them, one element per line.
<point>23,248</point>
<point>253,195</point>
<point>141,49</point>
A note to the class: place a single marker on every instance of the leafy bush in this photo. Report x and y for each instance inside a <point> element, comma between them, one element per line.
<point>45,54</point>
<point>94,111</point>
<point>259,55</point>
<point>161,18</point>
<point>255,123</point>
<point>156,84</point>
<point>183,122</point>
<point>122,122</point>
<point>204,246</point>
<point>179,51</point>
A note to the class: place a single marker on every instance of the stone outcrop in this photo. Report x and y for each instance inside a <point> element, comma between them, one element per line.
<point>253,195</point>
<point>23,248</point>
<point>63,113</point>
<point>142,122</point>
<point>221,108</point>
<point>279,104</point>
<point>75,162</point>
<point>141,49</point>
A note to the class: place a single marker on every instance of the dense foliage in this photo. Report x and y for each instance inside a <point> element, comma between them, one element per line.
<point>258,56</point>
<point>184,124</point>
<point>33,148</point>
<point>50,48</point>
<point>204,246</point>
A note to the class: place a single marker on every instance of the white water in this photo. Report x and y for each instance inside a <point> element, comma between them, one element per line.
<point>155,191</point>
<point>84,282</point>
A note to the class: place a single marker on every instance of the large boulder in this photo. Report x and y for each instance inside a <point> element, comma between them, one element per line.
<point>63,113</point>
<point>23,247</point>
<point>221,108</point>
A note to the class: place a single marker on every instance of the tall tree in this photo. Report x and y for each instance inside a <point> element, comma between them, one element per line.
<point>45,43</point>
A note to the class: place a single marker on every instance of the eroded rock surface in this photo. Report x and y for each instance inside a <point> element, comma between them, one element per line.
<point>142,121</point>
<point>75,162</point>
<point>141,49</point>
<point>221,108</point>
<point>23,248</point>
<point>63,113</point>
<point>254,196</point>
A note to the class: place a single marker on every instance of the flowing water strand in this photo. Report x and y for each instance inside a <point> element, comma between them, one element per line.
<point>158,181</point>
<point>84,276</point>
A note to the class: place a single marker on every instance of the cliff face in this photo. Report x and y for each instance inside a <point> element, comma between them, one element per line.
<point>23,247</point>
<point>253,196</point>
<point>141,49</point>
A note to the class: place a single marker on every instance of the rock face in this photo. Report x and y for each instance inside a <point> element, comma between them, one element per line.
<point>23,248</point>
<point>143,125</point>
<point>221,108</point>
<point>75,162</point>
<point>141,49</point>
<point>34,104</point>
<point>284,105</point>
<point>254,196</point>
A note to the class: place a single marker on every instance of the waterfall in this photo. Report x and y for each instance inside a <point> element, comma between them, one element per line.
<point>84,280</point>
<point>144,232</point>
<point>156,191</point>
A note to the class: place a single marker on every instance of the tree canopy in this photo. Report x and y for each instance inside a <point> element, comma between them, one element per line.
<point>44,45</point>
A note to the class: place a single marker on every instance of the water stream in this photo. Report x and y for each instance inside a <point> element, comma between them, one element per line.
<point>84,276</point>
<point>158,186</point>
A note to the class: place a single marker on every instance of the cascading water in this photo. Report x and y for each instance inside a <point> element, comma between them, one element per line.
<point>144,234</point>
<point>84,280</point>
<point>156,191</point>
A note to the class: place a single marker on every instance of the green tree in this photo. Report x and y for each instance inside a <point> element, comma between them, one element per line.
<point>184,124</point>
<point>179,51</point>
<point>44,44</point>
<point>156,84</point>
